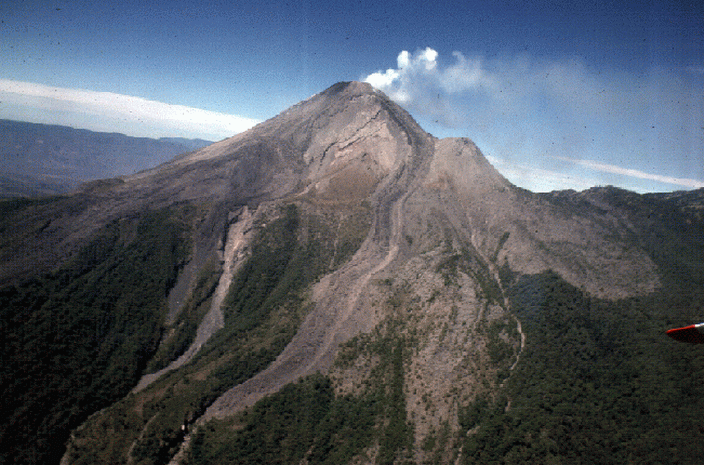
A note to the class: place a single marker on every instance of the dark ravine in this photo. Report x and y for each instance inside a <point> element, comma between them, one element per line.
<point>339,250</point>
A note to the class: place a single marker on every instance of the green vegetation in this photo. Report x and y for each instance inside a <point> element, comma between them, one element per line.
<point>468,262</point>
<point>503,344</point>
<point>306,421</point>
<point>303,421</point>
<point>263,309</point>
<point>8,206</point>
<point>502,242</point>
<point>397,436</point>
<point>599,382</point>
<point>77,340</point>
<point>276,270</point>
<point>386,349</point>
<point>268,433</point>
<point>186,324</point>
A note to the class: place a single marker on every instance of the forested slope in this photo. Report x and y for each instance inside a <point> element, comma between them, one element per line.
<point>76,340</point>
<point>599,381</point>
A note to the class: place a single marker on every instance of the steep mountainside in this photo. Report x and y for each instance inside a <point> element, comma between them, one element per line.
<point>336,285</point>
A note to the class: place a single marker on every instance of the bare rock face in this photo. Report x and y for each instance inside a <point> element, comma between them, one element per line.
<point>434,200</point>
<point>351,143</point>
<point>337,145</point>
<point>348,131</point>
<point>443,225</point>
<point>532,235</point>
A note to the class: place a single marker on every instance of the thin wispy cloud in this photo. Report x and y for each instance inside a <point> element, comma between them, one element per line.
<point>116,112</point>
<point>633,173</point>
<point>530,111</point>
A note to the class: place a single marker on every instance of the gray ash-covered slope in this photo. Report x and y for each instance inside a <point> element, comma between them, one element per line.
<point>404,248</point>
<point>280,157</point>
<point>350,142</point>
<point>307,143</point>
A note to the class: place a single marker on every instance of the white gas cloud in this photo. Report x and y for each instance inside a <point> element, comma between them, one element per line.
<point>509,86</point>
<point>533,110</point>
<point>120,113</point>
<point>419,72</point>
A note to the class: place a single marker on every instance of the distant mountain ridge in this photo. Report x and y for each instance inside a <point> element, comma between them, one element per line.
<point>43,159</point>
<point>336,285</point>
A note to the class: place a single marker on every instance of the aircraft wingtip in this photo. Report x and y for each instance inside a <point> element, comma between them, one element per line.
<point>693,334</point>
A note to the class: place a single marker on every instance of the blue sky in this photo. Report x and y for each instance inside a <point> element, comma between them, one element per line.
<point>556,94</point>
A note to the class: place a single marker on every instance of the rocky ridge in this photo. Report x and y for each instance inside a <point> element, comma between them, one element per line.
<point>445,229</point>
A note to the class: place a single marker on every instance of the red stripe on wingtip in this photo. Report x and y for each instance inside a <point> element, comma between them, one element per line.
<point>687,334</point>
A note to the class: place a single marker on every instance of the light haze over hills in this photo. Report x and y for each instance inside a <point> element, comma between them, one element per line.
<point>37,159</point>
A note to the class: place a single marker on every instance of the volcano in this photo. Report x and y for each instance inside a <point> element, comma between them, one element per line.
<point>337,285</point>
